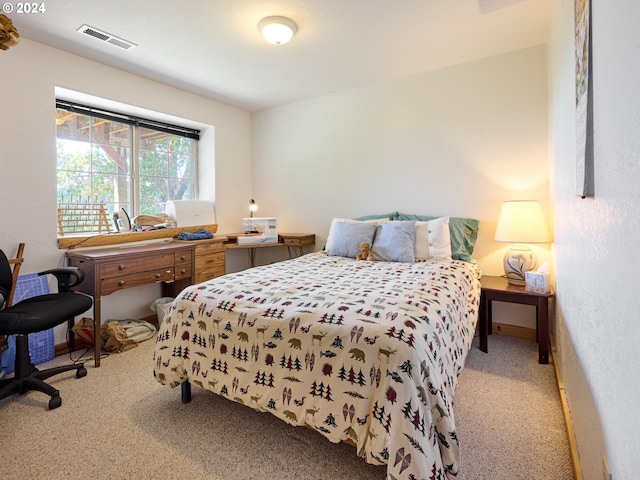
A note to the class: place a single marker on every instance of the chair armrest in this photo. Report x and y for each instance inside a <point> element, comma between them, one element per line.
<point>67,277</point>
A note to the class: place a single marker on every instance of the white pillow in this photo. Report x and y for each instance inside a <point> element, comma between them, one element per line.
<point>332,229</point>
<point>433,239</point>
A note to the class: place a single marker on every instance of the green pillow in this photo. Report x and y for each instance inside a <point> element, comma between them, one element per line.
<point>388,216</point>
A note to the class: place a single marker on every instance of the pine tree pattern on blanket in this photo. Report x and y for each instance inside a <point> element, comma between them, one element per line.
<point>362,351</point>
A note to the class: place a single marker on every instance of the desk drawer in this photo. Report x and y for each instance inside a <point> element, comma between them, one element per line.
<point>209,248</point>
<point>154,262</point>
<point>209,266</point>
<point>298,240</point>
<point>113,284</point>
<point>129,266</point>
<point>184,265</point>
<point>183,257</point>
<point>183,270</point>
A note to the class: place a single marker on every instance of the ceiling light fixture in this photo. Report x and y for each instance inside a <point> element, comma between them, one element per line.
<point>277,30</point>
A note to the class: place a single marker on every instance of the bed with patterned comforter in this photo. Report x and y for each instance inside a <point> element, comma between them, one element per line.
<point>367,352</point>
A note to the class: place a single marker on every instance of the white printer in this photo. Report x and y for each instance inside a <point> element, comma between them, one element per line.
<point>191,213</point>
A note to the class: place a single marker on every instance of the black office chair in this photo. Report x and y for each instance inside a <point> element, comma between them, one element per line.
<point>36,314</point>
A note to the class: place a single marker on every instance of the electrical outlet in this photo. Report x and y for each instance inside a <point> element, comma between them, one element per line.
<point>606,472</point>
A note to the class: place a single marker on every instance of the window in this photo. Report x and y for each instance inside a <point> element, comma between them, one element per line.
<point>107,161</point>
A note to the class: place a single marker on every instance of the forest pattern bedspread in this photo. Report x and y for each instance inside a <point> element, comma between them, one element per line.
<point>365,351</point>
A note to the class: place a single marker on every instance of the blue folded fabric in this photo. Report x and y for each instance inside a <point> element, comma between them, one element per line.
<point>201,234</point>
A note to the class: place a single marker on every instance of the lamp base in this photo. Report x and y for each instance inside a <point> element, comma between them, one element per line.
<point>518,260</point>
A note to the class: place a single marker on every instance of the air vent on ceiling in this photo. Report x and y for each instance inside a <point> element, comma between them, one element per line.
<point>106,37</point>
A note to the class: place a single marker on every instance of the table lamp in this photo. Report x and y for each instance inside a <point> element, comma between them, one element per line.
<point>521,222</point>
<point>249,228</point>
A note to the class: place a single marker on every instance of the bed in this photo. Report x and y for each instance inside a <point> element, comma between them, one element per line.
<point>364,352</point>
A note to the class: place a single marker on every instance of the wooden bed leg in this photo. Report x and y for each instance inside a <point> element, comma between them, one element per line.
<point>186,391</point>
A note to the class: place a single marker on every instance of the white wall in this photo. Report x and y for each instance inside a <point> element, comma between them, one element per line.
<point>596,239</point>
<point>30,73</point>
<point>456,141</point>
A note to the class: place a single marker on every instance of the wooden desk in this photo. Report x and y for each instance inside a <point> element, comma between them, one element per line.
<point>293,242</point>
<point>115,268</point>
<point>499,289</point>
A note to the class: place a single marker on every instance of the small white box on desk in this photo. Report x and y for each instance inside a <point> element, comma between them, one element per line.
<point>537,282</point>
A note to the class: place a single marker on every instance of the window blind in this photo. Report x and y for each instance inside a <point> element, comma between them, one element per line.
<point>128,119</point>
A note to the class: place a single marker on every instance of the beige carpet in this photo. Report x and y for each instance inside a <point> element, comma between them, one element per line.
<point>119,423</point>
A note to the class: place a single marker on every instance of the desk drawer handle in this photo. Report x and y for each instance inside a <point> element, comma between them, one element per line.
<point>183,257</point>
<point>158,275</point>
<point>121,283</point>
<point>121,267</point>
<point>183,271</point>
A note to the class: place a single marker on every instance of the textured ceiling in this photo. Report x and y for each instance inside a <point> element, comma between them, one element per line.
<point>214,48</point>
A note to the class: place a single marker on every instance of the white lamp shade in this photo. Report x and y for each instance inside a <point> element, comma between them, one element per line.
<point>277,30</point>
<point>522,221</point>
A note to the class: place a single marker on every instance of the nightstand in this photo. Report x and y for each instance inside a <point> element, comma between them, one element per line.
<point>498,289</point>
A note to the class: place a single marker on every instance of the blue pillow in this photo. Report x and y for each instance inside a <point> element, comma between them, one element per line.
<point>394,242</point>
<point>348,237</point>
<point>463,232</point>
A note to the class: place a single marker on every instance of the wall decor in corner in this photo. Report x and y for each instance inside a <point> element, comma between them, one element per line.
<point>585,184</point>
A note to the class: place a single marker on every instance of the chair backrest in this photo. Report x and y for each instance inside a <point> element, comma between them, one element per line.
<point>17,263</point>
<point>6,278</point>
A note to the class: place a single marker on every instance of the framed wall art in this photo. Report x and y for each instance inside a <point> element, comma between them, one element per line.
<point>584,100</point>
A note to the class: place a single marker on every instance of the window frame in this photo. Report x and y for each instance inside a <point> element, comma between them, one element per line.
<point>135,123</point>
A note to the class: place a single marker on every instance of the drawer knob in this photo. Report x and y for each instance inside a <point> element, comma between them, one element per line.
<point>158,275</point>
<point>183,257</point>
<point>121,283</point>
<point>183,271</point>
<point>121,267</point>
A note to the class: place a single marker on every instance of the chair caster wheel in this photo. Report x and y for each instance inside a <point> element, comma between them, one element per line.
<point>55,402</point>
<point>81,372</point>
